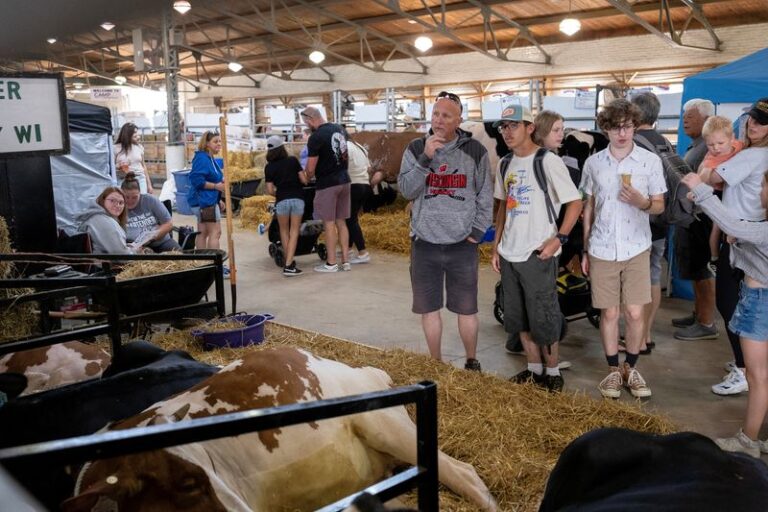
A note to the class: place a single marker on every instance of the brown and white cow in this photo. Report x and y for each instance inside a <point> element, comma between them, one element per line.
<point>301,467</point>
<point>385,150</point>
<point>57,365</point>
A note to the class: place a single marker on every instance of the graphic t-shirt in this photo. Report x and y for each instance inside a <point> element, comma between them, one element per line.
<point>328,144</point>
<point>527,224</point>
<point>284,174</point>
<point>133,158</point>
<point>148,215</point>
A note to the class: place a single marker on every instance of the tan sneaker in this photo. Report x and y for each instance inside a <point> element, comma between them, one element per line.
<point>635,382</point>
<point>610,387</point>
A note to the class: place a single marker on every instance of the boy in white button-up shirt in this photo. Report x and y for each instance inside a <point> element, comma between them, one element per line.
<point>624,184</point>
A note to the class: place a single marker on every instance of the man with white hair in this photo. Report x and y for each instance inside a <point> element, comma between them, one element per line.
<point>692,243</point>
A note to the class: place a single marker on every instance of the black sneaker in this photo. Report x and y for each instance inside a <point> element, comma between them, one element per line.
<point>528,377</point>
<point>291,271</point>
<point>554,383</point>
<point>514,347</point>
<point>473,365</point>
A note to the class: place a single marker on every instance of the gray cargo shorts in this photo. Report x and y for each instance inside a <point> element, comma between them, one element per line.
<point>530,299</point>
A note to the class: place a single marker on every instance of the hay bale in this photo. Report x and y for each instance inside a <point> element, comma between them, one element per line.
<point>16,320</point>
<point>244,166</point>
<point>512,434</point>
<point>253,211</point>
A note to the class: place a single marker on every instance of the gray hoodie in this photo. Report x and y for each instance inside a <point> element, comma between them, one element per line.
<point>452,193</point>
<point>107,237</point>
<point>750,251</point>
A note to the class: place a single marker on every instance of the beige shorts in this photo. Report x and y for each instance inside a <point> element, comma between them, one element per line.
<point>620,282</point>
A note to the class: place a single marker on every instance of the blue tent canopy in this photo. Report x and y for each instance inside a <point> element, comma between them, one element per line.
<point>741,81</point>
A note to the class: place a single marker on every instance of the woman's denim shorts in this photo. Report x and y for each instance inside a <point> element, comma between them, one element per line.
<point>290,207</point>
<point>750,320</point>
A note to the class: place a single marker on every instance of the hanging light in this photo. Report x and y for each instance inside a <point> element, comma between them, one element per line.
<point>569,25</point>
<point>234,66</point>
<point>317,56</point>
<point>182,6</point>
<point>120,79</point>
<point>107,25</point>
<point>51,40</point>
<point>423,43</point>
<point>78,85</point>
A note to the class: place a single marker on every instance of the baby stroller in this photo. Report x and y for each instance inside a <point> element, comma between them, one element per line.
<point>573,295</point>
<point>309,231</point>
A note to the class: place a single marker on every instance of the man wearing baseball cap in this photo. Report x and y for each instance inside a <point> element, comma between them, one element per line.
<point>527,241</point>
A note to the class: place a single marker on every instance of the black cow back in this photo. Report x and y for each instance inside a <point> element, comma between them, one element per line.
<point>618,469</point>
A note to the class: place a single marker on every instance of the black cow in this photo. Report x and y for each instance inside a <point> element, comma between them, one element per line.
<point>617,469</point>
<point>141,375</point>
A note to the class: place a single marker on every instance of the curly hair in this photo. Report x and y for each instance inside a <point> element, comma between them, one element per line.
<point>617,113</point>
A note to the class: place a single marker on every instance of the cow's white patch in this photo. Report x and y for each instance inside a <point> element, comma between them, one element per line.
<point>111,480</point>
<point>231,366</point>
<point>197,401</point>
<point>265,390</point>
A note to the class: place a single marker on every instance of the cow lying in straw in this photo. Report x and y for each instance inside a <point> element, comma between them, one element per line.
<point>302,467</point>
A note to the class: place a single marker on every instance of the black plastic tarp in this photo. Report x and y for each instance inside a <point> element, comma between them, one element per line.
<point>84,117</point>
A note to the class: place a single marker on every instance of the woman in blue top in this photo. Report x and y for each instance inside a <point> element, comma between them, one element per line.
<point>206,186</point>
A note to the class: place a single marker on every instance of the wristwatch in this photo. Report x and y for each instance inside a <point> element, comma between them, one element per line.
<point>563,238</point>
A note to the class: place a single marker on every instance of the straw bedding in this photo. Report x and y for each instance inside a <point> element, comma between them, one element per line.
<point>16,320</point>
<point>245,166</point>
<point>141,268</point>
<point>512,434</point>
<point>253,211</point>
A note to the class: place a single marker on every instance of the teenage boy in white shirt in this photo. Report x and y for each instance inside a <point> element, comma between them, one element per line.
<point>527,243</point>
<point>624,184</point>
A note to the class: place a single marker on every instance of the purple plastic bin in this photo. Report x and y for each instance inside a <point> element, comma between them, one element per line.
<point>251,334</point>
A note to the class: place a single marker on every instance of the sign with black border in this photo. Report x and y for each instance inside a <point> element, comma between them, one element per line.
<point>33,115</point>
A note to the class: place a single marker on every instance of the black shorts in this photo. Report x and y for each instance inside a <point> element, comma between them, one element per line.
<point>530,299</point>
<point>692,252</point>
<point>450,266</point>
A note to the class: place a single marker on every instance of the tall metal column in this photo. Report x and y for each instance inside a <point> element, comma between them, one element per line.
<point>171,60</point>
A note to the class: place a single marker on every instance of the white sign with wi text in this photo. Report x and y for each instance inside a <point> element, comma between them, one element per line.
<point>31,111</point>
<point>105,93</point>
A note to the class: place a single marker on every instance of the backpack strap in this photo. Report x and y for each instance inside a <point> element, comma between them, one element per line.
<point>506,159</point>
<point>541,179</point>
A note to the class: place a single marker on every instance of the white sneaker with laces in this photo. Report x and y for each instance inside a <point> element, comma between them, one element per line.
<point>357,259</point>
<point>733,384</point>
<point>346,267</point>
<point>740,443</point>
<point>729,366</point>
<point>327,268</point>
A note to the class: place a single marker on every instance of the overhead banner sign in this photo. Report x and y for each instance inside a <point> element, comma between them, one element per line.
<point>33,115</point>
<point>105,93</point>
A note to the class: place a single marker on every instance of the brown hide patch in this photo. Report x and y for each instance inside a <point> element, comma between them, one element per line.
<point>97,358</point>
<point>282,369</point>
<point>150,482</point>
<point>385,150</point>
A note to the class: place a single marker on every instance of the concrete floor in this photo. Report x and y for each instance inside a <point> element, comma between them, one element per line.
<point>371,304</point>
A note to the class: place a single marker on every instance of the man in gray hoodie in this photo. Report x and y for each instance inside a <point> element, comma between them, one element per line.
<point>447,176</point>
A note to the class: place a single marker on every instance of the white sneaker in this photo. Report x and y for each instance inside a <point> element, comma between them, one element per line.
<point>357,259</point>
<point>564,365</point>
<point>729,366</point>
<point>346,267</point>
<point>739,443</point>
<point>327,268</point>
<point>733,384</point>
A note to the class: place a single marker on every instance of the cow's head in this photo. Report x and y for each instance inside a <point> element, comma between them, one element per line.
<point>155,481</point>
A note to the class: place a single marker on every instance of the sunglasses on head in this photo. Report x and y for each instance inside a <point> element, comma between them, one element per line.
<point>453,97</point>
<point>210,135</point>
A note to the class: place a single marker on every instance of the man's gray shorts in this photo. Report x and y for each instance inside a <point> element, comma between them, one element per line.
<point>449,266</point>
<point>530,299</point>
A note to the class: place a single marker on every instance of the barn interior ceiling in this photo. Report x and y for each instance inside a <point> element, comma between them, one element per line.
<point>260,38</point>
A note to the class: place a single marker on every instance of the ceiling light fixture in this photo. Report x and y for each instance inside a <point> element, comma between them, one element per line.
<point>120,80</point>
<point>107,25</point>
<point>317,56</point>
<point>51,40</point>
<point>423,43</point>
<point>182,6</point>
<point>234,66</point>
<point>569,25</point>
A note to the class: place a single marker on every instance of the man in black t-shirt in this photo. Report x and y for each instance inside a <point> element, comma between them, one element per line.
<point>327,162</point>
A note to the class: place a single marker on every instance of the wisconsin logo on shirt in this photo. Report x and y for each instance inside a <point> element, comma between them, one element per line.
<point>443,183</point>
